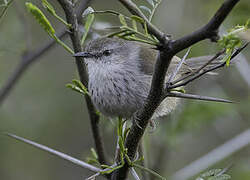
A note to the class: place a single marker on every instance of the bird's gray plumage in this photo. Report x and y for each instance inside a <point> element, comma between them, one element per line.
<point>120,75</point>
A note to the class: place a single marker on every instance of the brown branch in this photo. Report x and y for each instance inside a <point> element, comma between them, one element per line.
<point>208,70</point>
<point>132,7</point>
<point>76,42</point>
<point>209,31</point>
<point>167,51</point>
<point>199,69</point>
<point>23,66</point>
<point>31,57</point>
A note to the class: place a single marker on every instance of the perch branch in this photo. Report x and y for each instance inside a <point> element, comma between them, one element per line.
<point>76,42</point>
<point>167,51</point>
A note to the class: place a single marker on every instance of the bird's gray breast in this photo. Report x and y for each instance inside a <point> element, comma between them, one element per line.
<point>117,92</point>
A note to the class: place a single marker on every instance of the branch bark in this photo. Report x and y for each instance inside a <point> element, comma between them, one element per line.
<point>71,17</point>
<point>167,51</point>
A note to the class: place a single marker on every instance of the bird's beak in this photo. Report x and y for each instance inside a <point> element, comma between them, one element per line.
<point>82,54</point>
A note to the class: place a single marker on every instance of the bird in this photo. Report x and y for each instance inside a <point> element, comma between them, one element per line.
<point>120,74</point>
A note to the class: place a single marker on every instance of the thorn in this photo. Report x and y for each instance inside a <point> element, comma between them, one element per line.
<point>197,97</point>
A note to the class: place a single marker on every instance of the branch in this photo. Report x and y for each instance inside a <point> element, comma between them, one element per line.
<point>31,57</point>
<point>132,7</point>
<point>76,42</point>
<point>209,31</point>
<point>23,66</point>
<point>221,152</point>
<point>209,62</point>
<point>196,97</point>
<point>208,70</point>
<point>56,153</point>
<point>167,51</point>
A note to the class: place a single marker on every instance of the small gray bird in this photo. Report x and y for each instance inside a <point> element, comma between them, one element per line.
<point>120,74</point>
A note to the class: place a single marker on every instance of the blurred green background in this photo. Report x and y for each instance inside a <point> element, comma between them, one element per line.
<point>42,109</point>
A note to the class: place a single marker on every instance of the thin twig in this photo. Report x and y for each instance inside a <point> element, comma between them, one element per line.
<point>196,97</point>
<point>209,70</point>
<point>7,5</point>
<point>110,12</point>
<point>221,152</point>
<point>173,75</point>
<point>132,7</point>
<point>199,69</point>
<point>153,10</point>
<point>56,153</point>
<point>134,174</point>
<point>23,65</point>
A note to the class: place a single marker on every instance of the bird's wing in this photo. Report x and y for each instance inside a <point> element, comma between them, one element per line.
<point>150,55</point>
<point>149,58</point>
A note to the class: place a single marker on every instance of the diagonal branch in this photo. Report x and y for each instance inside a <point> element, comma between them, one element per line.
<point>208,70</point>
<point>132,7</point>
<point>196,97</point>
<point>56,153</point>
<point>167,51</point>
<point>25,62</point>
<point>31,57</point>
<point>209,31</point>
<point>178,67</point>
<point>199,69</point>
<point>76,42</point>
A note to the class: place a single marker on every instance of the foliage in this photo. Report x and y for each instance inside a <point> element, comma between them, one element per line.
<point>88,14</point>
<point>131,32</point>
<point>230,41</point>
<point>45,24</point>
<point>52,11</point>
<point>5,7</point>
<point>214,174</point>
<point>151,11</point>
<point>78,87</point>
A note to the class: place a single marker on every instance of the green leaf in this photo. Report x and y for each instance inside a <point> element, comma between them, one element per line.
<point>212,172</point>
<point>134,25</point>
<point>40,17</point>
<point>122,20</point>
<point>247,25</point>
<point>6,5</point>
<point>220,177</point>
<point>88,11</point>
<point>79,84</point>
<point>151,2</point>
<point>94,154</point>
<point>75,88</point>
<point>48,6</point>
<point>92,161</point>
<point>137,18</point>
<point>146,9</point>
<point>89,21</point>
<point>52,11</point>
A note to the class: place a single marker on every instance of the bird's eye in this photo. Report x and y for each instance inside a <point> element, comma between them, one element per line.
<point>106,52</point>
